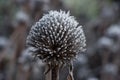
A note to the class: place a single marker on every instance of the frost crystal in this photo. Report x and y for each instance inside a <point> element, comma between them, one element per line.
<point>57,37</point>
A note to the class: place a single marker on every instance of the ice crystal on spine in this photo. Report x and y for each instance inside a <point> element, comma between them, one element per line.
<point>56,37</point>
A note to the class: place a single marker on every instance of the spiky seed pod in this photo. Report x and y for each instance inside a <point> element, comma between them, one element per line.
<point>57,38</point>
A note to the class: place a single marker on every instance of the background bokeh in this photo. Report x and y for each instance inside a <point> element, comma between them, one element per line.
<point>101,24</point>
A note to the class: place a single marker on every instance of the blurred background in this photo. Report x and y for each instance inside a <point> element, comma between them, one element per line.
<point>101,23</point>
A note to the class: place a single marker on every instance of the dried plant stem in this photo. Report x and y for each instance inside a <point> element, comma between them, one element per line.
<point>55,72</point>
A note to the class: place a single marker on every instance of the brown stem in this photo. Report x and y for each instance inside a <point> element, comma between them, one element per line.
<point>55,72</point>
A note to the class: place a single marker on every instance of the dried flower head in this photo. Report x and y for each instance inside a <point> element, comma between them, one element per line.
<point>56,37</point>
<point>113,31</point>
<point>105,43</point>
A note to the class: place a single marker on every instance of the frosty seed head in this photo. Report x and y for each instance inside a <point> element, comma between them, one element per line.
<point>56,37</point>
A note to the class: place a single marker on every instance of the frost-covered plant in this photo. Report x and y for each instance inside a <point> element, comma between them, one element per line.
<point>57,38</point>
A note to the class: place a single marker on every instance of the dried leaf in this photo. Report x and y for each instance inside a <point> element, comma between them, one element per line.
<point>47,71</point>
<point>70,75</point>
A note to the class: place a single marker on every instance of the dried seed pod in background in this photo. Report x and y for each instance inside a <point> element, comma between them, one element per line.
<point>57,38</point>
<point>113,32</point>
<point>105,43</point>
